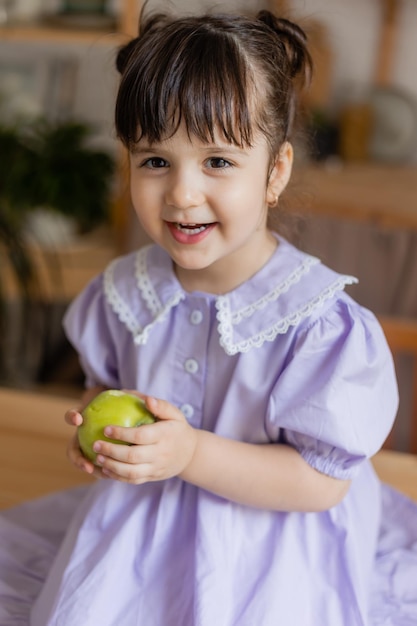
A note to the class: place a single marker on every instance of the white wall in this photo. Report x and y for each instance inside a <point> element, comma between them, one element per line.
<point>353,29</point>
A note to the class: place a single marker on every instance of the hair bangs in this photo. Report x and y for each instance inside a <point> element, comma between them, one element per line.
<point>199,81</point>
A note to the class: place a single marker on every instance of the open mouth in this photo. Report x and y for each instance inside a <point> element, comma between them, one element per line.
<point>191,229</point>
<point>191,233</point>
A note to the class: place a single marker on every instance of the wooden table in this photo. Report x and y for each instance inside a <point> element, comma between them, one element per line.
<point>33,437</point>
<point>399,470</point>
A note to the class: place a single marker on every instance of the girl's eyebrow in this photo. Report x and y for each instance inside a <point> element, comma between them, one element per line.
<point>225,149</point>
<point>137,150</point>
<point>214,149</point>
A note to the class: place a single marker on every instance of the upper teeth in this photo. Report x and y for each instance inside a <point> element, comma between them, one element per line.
<point>196,228</point>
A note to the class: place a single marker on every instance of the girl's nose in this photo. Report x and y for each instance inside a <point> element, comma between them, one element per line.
<point>184,190</point>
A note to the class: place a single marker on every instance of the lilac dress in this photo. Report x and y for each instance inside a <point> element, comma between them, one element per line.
<point>286,357</point>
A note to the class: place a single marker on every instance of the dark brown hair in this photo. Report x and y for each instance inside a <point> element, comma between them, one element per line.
<point>214,72</point>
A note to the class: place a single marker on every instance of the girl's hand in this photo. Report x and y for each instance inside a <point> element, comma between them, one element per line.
<point>78,459</point>
<point>73,417</point>
<point>158,451</point>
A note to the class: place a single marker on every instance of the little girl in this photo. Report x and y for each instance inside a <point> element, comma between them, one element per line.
<point>251,501</point>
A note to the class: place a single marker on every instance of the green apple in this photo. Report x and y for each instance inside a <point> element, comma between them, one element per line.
<point>110,408</point>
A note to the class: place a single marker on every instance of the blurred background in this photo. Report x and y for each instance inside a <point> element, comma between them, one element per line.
<point>64,204</point>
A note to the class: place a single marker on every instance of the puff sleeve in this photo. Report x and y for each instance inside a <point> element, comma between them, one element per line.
<point>336,399</point>
<point>88,326</point>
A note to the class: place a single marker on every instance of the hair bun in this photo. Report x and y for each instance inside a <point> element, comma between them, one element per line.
<point>294,40</point>
<point>123,55</point>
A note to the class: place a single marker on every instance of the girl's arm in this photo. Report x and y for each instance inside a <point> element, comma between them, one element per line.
<point>266,476</point>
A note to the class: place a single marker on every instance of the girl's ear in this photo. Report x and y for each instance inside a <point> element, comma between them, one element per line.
<point>280,173</point>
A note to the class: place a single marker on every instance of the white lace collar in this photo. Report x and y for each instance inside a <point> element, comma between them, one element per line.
<point>142,288</point>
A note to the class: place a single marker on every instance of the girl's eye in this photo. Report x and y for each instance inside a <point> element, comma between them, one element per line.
<point>218,163</point>
<point>155,163</point>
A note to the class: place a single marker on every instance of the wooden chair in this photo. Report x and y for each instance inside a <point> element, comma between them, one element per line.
<point>401,334</point>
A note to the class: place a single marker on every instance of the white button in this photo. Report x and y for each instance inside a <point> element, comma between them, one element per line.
<point>191,366</point>
<point>196,317</point>
<point>187,410</point>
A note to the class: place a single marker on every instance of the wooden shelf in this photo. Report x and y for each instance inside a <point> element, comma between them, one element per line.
<point>125,28</point>
<point>42,33</point>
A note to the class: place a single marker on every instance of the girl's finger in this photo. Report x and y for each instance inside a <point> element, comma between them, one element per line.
<point>137,435</point>
<point>162,409</point>
<point>78,459</point>
<point>124,454</point>
<point>73,417</point>
<point>134,474</point>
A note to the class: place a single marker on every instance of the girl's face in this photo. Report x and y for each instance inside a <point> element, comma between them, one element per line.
<point>206,204</point>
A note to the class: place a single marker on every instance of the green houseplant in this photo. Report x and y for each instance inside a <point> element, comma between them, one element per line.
<point>52,166</point>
